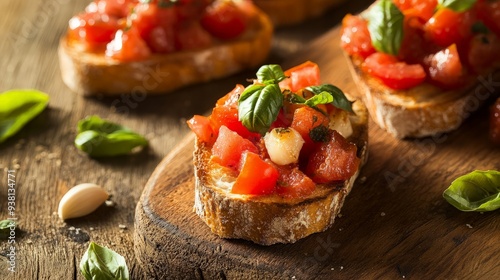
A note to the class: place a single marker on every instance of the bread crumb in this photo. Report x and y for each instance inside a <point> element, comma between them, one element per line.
<point>362,179</point>
<point>29,241</point>
<point>340,229</point>
<point>341,267</point>
<point>332,268</point>
<point>382,214</point>
<point>109,203</point>
<point>468,225</point>
<point>339,215</point>
<point>71,228</point>
<point>122,226</point>
<point>91,228</point>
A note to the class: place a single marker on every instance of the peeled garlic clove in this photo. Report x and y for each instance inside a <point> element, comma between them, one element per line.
<point>283,145</point>
<point>81,200</point>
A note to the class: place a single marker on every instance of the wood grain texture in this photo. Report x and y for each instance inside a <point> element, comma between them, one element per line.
<point>394,225</point>
<point>46,162</point>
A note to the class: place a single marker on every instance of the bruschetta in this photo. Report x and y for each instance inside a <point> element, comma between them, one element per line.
<point>155,47</point>
<point>422,67</point>
<point>291,12</point>
<point>275,160</point>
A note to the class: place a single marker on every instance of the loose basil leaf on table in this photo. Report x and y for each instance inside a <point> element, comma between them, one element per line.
<point>385,23</point>
<point>101,138</point>
<point>456,5</point>
<point>17,108</point>
<point>103,263</point>
<point>5,226</point>
<point>476,191</point>
<point>259,106</point>
<point>339,99</point>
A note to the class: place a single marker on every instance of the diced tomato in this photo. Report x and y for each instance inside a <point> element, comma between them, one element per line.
<point>281,121</point>
<point>445,68</point>
<point>115,8</point>
<point>334,160</point>
<point>229,147</point>
<point>94,29</point>
<point>448,27</point>
<point>301,76</point>
<point>392,72</point>
<point>192,36</point>
<point>495,122</point>
<point>187,10</point>
<point>307,122</point>
<point>415,46</point>
<point>145,18</point>
<point>484,52</point>
<point>161,39</point>
<point>202,127</point>
<point>257,177</point>
<point>228,116</point>
<point>293,183</point>
<point>489,13</point>
<point>231,99</point>
<point>423,9</point>
<point>128,46</point>
<point>224,20</point>
<point>355,38</point>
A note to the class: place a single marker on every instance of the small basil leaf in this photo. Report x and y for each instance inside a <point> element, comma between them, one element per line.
<point>259,106</point>
<point>17,108</point>
<point>98,124</point>
<point>102,263</point>
<point>100,138</point>
<point>270,74</point>
<point>476,191</point>
<point>456,5</point>
<point>5,227</point>
<point>339,99</point>
<point>320,98</point>
<point>385,23</point>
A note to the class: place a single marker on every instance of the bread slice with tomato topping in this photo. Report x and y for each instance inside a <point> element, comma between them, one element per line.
<point>156,47</point>
<point>290,12</point>
<point>274,164</point>
<point>428,70</point>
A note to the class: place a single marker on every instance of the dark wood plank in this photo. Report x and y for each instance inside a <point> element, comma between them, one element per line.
<point>395,223</point>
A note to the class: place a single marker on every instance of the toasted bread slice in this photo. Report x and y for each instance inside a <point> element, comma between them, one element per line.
<point>91,73</point>
<point>270,219</point>
<point>290,12</point>
<point>424,110</point>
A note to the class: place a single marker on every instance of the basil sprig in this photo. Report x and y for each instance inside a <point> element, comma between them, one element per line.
<point>100,138</point>
<point>260,103</point>
<point>338,99</point>
<point>17,108</point>
<point>456,5</point>
<point>102,263</point>
<point>476,191</point>
<point>385,23</point>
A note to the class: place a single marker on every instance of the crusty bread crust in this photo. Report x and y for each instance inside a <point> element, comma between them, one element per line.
<point>421,111</point>
<point>268,220</point>
<point>90,73</point>
<point>290,12</point>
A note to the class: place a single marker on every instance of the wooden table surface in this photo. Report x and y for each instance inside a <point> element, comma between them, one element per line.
<point>46,162</point>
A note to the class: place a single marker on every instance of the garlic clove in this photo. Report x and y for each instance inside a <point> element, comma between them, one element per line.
<point>81,200</point>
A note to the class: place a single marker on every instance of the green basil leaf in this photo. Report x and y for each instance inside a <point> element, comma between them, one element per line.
<point>100,138</point>
<point>456,5</point>
<point>476,191</point>
<point>102,263</point>
<point>17,108</point>
<point>320,98</point>
<point>270,74</point>
<point>339,99</point>
<point>258,107</point>
<point>5,226</point>
<point>385,23</point>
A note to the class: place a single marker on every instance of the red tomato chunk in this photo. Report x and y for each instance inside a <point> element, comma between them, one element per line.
<point>256,177</point>
<point>229,147</point>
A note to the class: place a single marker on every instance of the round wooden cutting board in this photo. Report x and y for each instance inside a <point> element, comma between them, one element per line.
<point>395,223</point>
